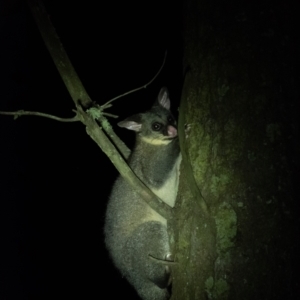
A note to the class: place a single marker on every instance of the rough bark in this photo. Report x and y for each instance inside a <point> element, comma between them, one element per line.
<point>236,228</point>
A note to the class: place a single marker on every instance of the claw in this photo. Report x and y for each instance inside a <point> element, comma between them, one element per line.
<point>169,257</point>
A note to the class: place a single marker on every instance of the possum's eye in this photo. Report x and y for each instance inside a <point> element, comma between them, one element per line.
<point>170,120</point>
<point>156,126</point>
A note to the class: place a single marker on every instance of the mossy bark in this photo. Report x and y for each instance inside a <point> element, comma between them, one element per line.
<point>234,224</point>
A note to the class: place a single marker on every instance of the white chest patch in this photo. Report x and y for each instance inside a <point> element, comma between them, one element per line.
<point>154,141</point>
<point>168,192</point>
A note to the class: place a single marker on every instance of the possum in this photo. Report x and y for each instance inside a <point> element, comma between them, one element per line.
<point>136,235</point>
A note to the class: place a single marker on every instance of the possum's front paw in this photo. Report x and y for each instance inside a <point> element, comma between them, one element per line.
<point>169,257</point>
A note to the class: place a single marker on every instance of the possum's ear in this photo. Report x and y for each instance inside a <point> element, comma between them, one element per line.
<point>163,98</point>
<point>132,123</point>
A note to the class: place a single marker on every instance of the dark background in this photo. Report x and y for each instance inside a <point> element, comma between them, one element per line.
<point>54,180</point>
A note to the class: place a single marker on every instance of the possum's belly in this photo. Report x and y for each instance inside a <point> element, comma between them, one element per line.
<point>168,192</point>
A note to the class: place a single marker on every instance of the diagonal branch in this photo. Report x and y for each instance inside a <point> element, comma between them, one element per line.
<point>95,132</point>
<point>80,97</point>
<point>58,54</point>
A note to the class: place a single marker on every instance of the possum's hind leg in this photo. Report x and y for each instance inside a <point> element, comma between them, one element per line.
<point>149,246</point>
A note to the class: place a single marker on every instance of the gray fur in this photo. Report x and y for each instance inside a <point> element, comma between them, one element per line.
<point>133,231</point>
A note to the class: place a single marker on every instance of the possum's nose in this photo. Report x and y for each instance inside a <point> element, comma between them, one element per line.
<point>172,131</point>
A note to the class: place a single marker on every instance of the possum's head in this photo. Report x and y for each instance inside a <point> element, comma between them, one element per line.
<point>156,126</point>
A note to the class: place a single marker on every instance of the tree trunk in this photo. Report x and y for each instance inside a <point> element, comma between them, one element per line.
<point>235,226</point>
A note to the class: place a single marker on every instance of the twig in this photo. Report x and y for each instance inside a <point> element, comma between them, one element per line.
<point>139,88</point>
<point>19,113</point>
<point>110,115</point>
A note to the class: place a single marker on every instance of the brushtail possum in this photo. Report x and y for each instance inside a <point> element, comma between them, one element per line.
<point>136,235</point>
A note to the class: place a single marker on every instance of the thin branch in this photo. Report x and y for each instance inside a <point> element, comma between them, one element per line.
<point>20,113</point>
<point>123,149</point>
<point>137,89</point>
<point>97,114</point>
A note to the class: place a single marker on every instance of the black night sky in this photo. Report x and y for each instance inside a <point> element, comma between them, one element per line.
<point>54,179</point>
